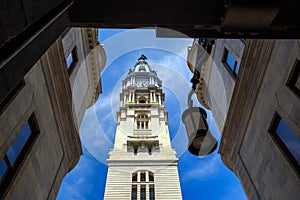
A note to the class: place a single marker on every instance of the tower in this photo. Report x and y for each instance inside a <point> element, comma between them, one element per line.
<point>142,165</point>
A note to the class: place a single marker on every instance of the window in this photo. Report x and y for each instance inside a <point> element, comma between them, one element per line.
<point>135,151</point>
<point>151,177</point>
<point>286,139</point>
<point>151,192</point>
<point>230,62</point>
<point>142,121</point>
<point>134,192</point>
<point>294,80</point>
<point>143,192</point>
<point>134,177</point>
<point>150,150</point>
<point>16,153</point>
<point>72,60</point>
<point>143,179</point>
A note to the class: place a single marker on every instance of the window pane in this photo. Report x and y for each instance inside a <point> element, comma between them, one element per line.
<point>230,61</point>
<point>134,193</point>
<point>69,60</point>
<point>143,177</point>
<point>152,194</point>
<point>291,141</point>
<point>19,143</point>
<point>3,168</point>
<point>134,177</point>
<point>151,177</point>
<point>143,192</point>
<point>237,68</point>
<point>297,84</point>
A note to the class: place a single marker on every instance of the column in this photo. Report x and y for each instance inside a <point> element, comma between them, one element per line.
<point>159,99</point>
<point>125,99</point>
<point>147,192</point>
<point>154,97</point>
<point>133,96</point>
<point>150,96</point>
<point>138,176</point>
<point>129,99</point>
<point>138,192</point>
<point>147,176</point>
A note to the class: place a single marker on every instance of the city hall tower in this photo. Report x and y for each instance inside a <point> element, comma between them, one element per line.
<point>142,165</point>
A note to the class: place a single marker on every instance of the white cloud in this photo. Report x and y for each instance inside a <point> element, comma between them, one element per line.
<point>203,169</point>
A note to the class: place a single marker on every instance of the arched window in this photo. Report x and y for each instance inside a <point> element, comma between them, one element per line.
<point>142,100</point>
<point>144,180</point>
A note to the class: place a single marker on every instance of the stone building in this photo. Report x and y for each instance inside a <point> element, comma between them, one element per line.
<point>39,119</point>
<point>252,88</point>
<point>142,164</point>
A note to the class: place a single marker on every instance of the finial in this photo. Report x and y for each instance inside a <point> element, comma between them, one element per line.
<point>143,57</point>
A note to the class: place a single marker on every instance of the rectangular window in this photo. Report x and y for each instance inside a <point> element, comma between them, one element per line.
<point>151,192</point>
<point>72,60</point>
<point>229,61</point>
<point>135,151</point>
<point>286,139</point>
<point>134,193</point>
<point>16,153</point>
<point>294,80</point>
<point>143,192</point>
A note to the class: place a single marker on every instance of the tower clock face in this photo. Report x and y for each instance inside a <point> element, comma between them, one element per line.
<point>143,84</point>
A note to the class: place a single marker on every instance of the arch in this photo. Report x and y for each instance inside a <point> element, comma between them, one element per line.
<point>142,100</point>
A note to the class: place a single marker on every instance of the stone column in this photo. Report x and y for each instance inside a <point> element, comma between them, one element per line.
<point>147,192</point>
<point>159,99</point>
<point>138,194</point>
<point>125,99</point>
<point>139,177</point>
<point>133,96</point>
<point>154,95</point>
<point>130,96</point>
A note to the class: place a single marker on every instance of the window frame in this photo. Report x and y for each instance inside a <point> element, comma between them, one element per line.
<point>74,62</point>
<point>281,144</point>
<point>293,78</point>
<point>13,168</point>
<point>226,52</point>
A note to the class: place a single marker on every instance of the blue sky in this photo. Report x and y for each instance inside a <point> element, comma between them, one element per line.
<point>200,177</point>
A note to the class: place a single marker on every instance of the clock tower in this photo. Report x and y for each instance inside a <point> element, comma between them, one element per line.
<point>142,165</point>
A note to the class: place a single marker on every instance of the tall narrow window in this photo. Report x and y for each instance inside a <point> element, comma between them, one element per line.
<point>135,151</point>
<point>229,61</point>
<point>288,142</point>
<point>294,80</point>
<point>16,153</point>
<point>72,60</point>
<point>134,192</point>
<point>151,192</point>
<point>143,192</point>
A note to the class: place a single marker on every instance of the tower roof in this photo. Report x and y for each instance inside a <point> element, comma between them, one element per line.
<point>142,75</point>
<point>142,65</point>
